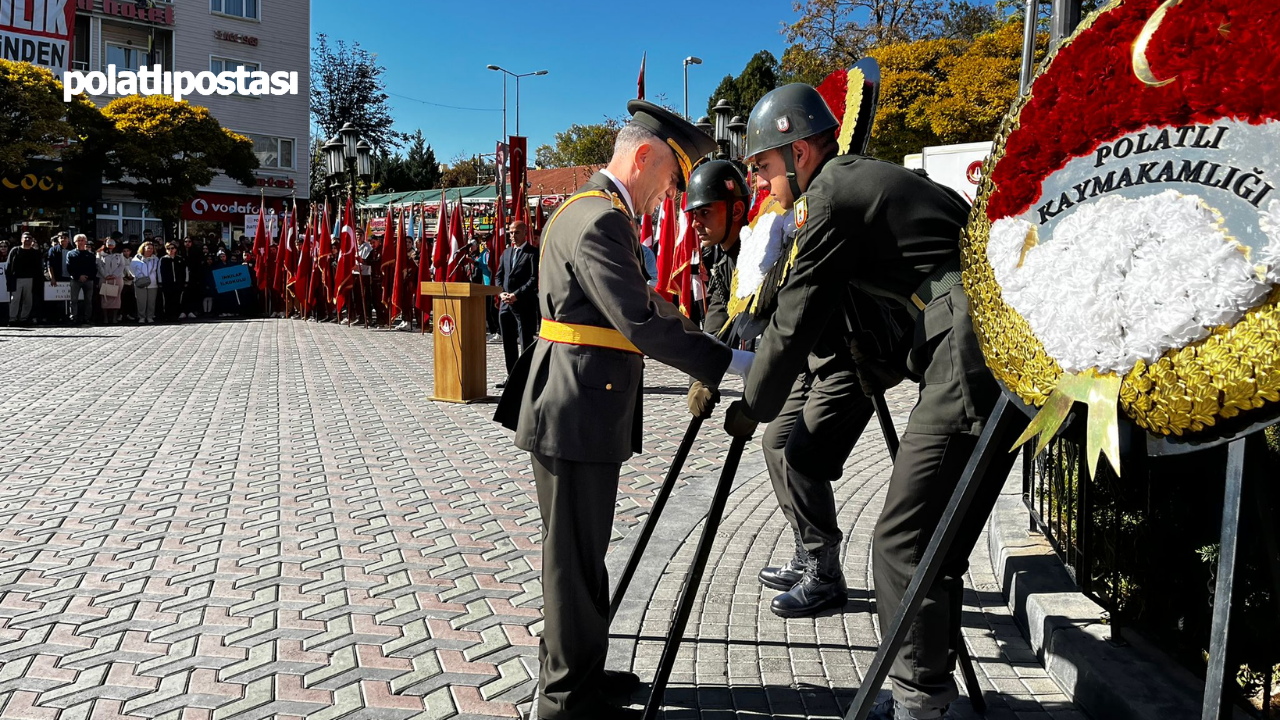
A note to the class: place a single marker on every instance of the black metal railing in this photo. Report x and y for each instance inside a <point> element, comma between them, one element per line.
<point>1091,524</point>
<point>1144,549</point>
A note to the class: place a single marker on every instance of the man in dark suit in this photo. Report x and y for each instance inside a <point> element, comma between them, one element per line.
<point>518,302</point>
<point>574,398</point>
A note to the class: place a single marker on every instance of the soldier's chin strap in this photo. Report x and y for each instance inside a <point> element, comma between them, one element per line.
<point>789,162</point>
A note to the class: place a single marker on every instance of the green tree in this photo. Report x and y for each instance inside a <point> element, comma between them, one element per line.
<point>347,87</point>
<point>743,92</point>
<point>580,145</point>
<point>166,149</point>
<point>463,172</point>
<point>35,122</point>
<point>421,166</point>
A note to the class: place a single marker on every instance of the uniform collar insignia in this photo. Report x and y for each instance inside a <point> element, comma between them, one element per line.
<point>619,204</point>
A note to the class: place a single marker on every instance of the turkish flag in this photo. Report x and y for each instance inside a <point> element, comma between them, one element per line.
<point>666,245</point>
<point>306,260</point>
<point>387,261</point>
<point>400,267</point>
<point>456,244</point>
<point>640,80</point>
<point>440,251</point>
<point>322,269</point>
<point>344,278</point>
<point>262,251</point>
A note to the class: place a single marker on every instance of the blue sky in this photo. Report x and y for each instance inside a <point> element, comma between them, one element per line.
<point>437,52</point>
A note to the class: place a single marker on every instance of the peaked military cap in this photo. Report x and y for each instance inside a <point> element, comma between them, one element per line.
<point>685,140</point>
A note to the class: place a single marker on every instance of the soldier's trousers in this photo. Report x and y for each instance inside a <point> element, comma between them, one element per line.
<point>957,394</point>
<point>806,446</point>
<point>576,500</point>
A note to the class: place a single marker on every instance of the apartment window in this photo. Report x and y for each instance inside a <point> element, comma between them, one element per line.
<point>126,57</point>
<point>273,152</point>
<point>247,9</point>
<point>218,65</point>
<point>80,52</point>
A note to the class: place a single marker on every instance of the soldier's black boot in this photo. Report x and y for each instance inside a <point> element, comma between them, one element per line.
<point>785,576</point>
<point>821,588</point>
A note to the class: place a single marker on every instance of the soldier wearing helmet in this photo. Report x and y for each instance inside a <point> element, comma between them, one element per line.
<point>717,203</point>
<point>892,235</point>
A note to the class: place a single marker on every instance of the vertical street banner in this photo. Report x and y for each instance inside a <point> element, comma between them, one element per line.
<point>518,163</point>
<point>38,32</point>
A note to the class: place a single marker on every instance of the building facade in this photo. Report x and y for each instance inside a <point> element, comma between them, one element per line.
<point>216,36</point>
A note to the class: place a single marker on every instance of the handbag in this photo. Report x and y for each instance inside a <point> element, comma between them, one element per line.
<point>109,290</point>
<point>141,282</point>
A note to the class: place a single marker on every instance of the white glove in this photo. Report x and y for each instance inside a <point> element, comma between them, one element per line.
<point>740,365</point>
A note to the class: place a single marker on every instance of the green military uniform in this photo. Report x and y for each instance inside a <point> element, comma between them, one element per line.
<point>877,227</point>
<point>719,290</point>
<point>574,399</point>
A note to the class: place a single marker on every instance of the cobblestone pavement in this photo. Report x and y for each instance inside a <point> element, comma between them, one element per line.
<point>270,520</point>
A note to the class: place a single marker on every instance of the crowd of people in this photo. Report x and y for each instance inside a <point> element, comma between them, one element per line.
<point>146,280</point>
<point>115,280</point>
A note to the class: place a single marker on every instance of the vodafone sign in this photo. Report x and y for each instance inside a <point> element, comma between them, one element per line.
<point>220,207</point>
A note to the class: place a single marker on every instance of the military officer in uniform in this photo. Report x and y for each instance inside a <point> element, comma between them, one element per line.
<point>894,234</point>
<point>574,398</point>
<point>717,203</point>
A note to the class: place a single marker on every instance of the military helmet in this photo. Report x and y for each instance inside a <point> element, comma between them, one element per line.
<point>714,181</point>
<point>786,114</point>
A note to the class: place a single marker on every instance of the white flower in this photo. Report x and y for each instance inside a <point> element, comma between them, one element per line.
<point>761,248</point>
<point>1127,279</point>
<point>1269,258</point>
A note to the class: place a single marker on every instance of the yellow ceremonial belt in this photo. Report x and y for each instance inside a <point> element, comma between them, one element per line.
<point>571,334</point>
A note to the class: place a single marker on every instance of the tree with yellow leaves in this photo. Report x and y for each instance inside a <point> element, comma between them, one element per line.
<point>939,92</point>
<point>36,123</point>
<point>166,149</point>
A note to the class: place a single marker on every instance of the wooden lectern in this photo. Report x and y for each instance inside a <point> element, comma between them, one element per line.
<point>458,310</point>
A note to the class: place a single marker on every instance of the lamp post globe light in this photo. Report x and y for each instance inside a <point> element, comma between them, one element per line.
<point>704,124</point>
<point>723,112</point>
<point>737,137</point>
<point>348,161</point>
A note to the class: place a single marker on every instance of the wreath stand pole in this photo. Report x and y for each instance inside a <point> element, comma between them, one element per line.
<point>1005,424</point>
<point>962,650</point>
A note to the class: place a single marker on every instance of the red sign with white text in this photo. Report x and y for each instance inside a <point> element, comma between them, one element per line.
<point>222,207</point>
<point>38,32</point>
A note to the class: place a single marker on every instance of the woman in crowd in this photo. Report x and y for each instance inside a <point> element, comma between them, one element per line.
<point>128,303</point>
<point>146,282</point>
<point>112,269</point>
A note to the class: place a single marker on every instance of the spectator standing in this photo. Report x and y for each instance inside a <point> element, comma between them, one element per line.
<point>82,267</point>
<point>518,278</point>
<point>173,278</point>
<point>22,274</point>
<point>112,269</point>
<point>128,303</point>
<point>56,272</point>
<point>193,297</point>
<point>146,282</point>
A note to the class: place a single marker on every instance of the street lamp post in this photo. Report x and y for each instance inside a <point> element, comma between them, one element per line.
<point>691,60</point>
<point>348,160</point>
<point>517,76</point>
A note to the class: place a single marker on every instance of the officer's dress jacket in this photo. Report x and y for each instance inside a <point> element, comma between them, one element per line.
<point>583,403</point>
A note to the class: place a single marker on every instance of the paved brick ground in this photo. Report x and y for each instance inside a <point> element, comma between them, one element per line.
<point>270,520</point>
